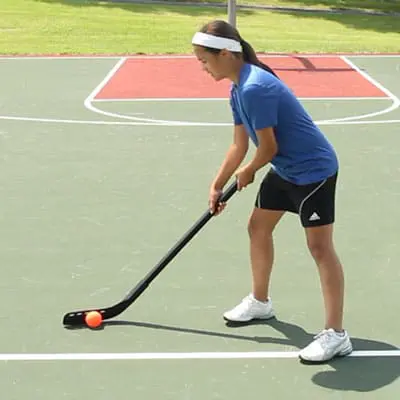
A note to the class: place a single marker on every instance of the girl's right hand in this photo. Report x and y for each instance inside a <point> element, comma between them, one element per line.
<point>215,206</point>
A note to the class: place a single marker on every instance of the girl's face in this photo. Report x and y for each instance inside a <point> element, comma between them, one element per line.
<point>217,65</point>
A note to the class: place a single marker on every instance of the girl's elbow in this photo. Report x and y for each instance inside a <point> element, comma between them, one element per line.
<point>274,150</point>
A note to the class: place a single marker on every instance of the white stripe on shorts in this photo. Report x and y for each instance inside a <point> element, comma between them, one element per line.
<point>258,202</point>
<point>310,194</point>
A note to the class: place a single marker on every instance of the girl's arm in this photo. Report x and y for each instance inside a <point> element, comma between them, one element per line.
<point>266,151</point>
<point>235,155</point>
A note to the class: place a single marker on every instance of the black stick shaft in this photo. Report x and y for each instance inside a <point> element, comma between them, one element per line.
<point>78,317</point>
<point>197,226</point>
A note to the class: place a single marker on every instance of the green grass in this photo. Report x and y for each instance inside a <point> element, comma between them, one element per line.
<point>377,5</point>
<point>77,27</point>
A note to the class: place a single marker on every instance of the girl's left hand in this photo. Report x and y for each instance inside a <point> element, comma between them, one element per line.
<point>244,176</point>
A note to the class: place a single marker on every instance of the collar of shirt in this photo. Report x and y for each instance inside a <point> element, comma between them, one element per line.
<point>244,72</point>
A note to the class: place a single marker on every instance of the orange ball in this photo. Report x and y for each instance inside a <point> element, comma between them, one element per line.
<point>93,319</point>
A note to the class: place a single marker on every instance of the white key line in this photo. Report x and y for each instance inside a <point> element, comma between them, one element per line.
<point>178,356</point>
<point>199,99</point>
<point>174,57</point>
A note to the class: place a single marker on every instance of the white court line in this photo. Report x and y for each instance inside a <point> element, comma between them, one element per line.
<point>75,121</point>
<point>131,123</point>
<point>370,55</point>
<point>160,57</point>
<point>86,57</point>
<point>395,99</point>
<point>100,86</point>
<point>362,122</point>
<point>151,122</point>
<point>183,99</point>
<point>179,356</point>
<point>89,103</point>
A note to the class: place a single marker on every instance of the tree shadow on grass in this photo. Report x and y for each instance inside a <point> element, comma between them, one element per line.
<point>148,8</point>
<point>382,24</point>
<point>380,6</point>
<point>375,23</point>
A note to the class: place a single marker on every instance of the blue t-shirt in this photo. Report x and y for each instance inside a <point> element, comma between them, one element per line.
<point>260,100</point>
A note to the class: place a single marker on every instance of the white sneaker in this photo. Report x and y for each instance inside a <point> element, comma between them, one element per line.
<point>326,345</point>
<point>249,309</point>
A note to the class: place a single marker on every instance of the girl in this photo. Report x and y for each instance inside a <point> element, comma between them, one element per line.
<point>302,178</point>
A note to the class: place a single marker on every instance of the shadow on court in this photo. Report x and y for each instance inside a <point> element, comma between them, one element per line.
<point>360,374</point>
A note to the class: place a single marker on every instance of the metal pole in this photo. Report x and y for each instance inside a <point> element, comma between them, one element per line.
<point>232,12</point>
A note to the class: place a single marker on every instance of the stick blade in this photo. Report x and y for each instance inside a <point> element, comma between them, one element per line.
<point>75,318</point>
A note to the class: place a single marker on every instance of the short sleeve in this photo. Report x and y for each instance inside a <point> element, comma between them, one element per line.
<point>236,116</point>
<point>261,105</point>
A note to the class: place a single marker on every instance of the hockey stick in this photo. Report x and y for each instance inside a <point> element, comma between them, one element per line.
<point>78,317</point>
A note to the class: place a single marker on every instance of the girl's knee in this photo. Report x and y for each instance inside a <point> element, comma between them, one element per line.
<point>320,249</point>
<point>259,227</point>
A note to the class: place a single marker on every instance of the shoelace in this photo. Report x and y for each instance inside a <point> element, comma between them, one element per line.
<point>323,337</point>
<point>245,303</point>
<point>247,300</point>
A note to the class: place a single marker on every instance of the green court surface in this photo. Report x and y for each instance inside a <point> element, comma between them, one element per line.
<point>91,202</point>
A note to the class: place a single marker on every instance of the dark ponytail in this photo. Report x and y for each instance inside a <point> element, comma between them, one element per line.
<point>250,56</point>
<point>225,30</point>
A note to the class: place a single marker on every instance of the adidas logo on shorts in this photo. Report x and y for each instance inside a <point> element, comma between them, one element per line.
<point>314,217</point>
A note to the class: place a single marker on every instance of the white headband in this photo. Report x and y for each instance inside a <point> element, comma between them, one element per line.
<point>216,42</point>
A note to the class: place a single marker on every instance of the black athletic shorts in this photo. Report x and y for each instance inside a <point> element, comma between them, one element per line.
<point>315,202</point>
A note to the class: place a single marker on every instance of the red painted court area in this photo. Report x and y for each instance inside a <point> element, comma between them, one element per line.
<point>139,78</point>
